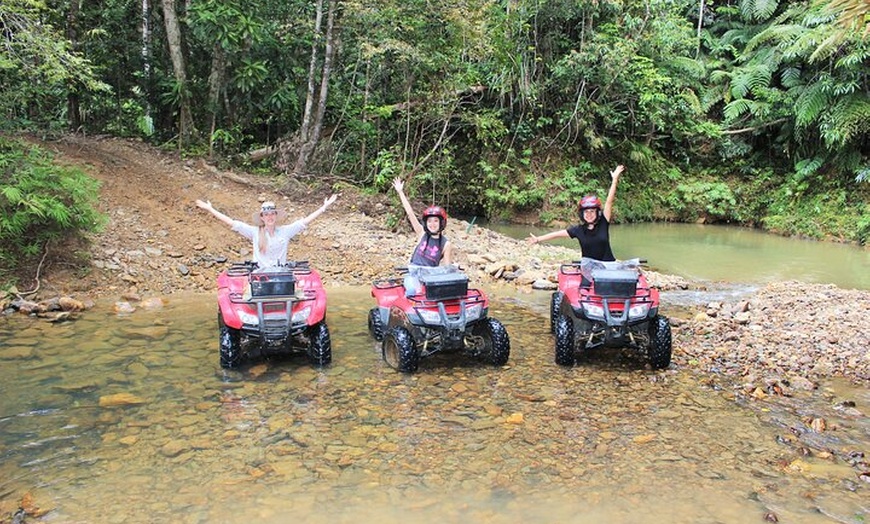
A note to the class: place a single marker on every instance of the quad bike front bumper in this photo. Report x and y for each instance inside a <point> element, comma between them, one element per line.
<point>612,322</point>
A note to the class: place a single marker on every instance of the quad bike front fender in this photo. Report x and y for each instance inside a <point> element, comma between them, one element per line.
<point>387,294</point>
<point>318,308</point>
<point>397,318</point>
<point>228,312</point>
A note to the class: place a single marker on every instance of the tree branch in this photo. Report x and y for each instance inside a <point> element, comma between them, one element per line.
<point>36,278</point>
<point>755,128</point>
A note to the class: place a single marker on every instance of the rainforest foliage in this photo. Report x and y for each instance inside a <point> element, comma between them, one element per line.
<point>745,111</point>
<point>40,203</point>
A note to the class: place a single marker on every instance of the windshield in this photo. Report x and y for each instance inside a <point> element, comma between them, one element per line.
<point>588,264</point>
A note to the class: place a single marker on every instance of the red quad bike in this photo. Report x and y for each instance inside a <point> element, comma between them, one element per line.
<point>272,310</point>
<point>608,304</point>
<point>444,316</point>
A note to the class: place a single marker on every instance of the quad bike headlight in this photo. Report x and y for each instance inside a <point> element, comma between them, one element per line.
<point>429,316</point>
<point>301,315</point>
<point>593,310</point>
<point>638,311</point>
<point>248,318</point>
<point>473,312</point>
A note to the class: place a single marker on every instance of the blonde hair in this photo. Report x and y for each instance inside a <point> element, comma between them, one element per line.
<point>261,241</point>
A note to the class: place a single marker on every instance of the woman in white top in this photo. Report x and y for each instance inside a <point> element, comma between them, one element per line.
<point>269,240</point>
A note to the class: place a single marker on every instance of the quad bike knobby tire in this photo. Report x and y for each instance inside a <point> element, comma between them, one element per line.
<point>564,341</point>
<point>496,343</point>
<point>399,351</point>
<point>659,351</point>
<point>555,304</point>
<point>230,345</point>
<point>319,345</point>
<point>376,326</point>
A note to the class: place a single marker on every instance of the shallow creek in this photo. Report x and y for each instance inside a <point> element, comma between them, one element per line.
<point>130,419</point>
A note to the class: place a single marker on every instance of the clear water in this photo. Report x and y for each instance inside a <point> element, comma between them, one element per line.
<point>606,441</point>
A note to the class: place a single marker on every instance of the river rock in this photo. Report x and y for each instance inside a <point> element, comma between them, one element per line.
<point>544,284</point>
<point>173,448</point>
<point>152,303</point>
<point>120,399</point>
<point>124,308</point>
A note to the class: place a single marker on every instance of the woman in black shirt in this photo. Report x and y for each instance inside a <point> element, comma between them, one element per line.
<point>593,231</point>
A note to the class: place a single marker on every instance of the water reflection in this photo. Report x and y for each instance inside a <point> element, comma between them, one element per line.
<point>731,254</point>
<point>131,419</point>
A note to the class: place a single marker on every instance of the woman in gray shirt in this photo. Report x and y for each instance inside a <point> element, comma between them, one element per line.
<point>269,240</point>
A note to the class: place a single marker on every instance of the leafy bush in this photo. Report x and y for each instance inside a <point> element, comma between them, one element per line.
<point>509,186</point>
<point>826,213</point>
<point>40,202</point>
<point>697,199</point>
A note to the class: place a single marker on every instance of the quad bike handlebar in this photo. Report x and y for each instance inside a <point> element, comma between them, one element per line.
<point>249,266</point>
<point>405,268</point>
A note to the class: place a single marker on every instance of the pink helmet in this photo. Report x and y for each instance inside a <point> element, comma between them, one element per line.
<point>436,211</point>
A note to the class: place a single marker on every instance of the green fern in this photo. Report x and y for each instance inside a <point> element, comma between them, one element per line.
<point>813,100</point>
<point>692,100</point>
<point>714,95</point>
<point>738,108</point>
<point>848,120</point>
<point>749,79</point>
<point>39,202</point>
<point>855,56</point>
<point>690,66</point>
<point>791,77</point>
<point>759,10</point>
<point>805,168</point>
<point>776,34</point>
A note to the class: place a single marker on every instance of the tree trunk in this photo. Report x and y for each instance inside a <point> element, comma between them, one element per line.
<point>173,37</point>
<point>72,97</point>
<point>700,25</point>
<point>313,126</point>
<point>146,55</point>
<point>365,116</point>
<point>312,73</point>
<point>216,80</point>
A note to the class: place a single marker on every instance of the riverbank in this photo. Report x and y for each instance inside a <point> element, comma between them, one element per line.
<point>158,243</point>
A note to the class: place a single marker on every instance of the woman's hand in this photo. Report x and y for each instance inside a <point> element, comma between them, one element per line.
<point>616,172</point>
<point>204,205</point>
<point>399,184</point>
<point>328,201</point>
<point>532,239</point>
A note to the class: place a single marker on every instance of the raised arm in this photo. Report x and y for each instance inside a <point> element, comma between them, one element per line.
<point>220,216</point>
<point>447,254</point>
<point>317,212</point>
<point>562,233</point>
<point>415,222</point>
<point>611,195</point>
